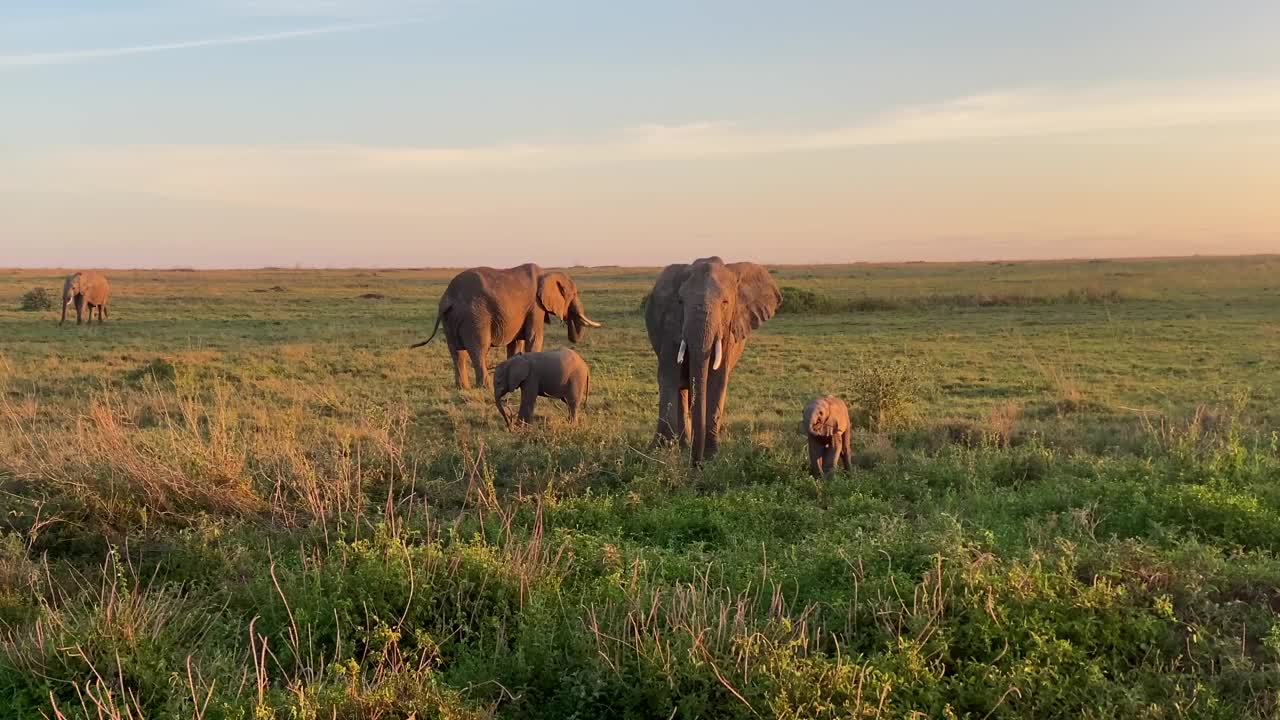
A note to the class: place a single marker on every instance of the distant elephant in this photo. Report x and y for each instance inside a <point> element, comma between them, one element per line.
<point>699,317</point>
<point>85,289</point>
<point>484,308</point>
<point>826,424</point>
<point>562,374</point>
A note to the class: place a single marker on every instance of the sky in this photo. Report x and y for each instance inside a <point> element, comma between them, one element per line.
<point>376,133</point>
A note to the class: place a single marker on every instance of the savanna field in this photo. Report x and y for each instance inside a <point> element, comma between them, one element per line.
<point>244,497</point>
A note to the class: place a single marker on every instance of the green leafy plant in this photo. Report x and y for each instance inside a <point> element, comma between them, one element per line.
<point>37,299</point>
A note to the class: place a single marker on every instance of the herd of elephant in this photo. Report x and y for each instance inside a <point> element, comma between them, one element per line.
<point>698,317</point>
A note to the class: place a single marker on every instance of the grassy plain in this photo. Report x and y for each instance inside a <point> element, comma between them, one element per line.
<point>244,497</point>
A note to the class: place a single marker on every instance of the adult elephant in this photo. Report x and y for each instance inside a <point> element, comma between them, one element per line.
<point>86,289</point>
<point>485,307</point>
<point>699,317</point>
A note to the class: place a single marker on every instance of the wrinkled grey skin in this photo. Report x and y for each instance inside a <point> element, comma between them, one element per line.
<point>561,374</point>
<point>85,289</point>
<point>826,423</point>
<point>484,307</point>
<point>702,305</point>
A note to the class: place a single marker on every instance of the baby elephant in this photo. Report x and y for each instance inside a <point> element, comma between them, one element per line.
<point>826,423</point>
<point>561,374</point>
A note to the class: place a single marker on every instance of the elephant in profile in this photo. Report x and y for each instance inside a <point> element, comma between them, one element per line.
<point>699,317</point>
<point>562,375</point>
<point>86,289</point>
<point>485,307</point>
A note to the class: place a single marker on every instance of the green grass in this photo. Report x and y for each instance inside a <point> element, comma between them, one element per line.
<point>244,497</point>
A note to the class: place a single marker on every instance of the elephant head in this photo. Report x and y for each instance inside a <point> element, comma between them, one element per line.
<point>706,310</point>
<point>507,377</point>
<point>821,418</point>
<point>558,295</point>
<point>72,292</point>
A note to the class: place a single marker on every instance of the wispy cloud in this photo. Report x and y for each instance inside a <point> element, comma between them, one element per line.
<point>348,9</point>
<point>991,116</point>
<point>63,57</point>
<point>299,175</point>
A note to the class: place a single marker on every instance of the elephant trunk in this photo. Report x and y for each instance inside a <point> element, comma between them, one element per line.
<point>699,343</point>
<point>577,321</point>
<point>576,310</point>
<point>499,395</point>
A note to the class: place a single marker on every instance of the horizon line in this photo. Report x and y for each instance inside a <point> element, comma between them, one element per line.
<point>873,263</point>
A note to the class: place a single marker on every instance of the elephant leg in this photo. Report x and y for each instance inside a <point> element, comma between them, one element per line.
<point>102,312</point>
<point>682,416</point>
<point>479,360</point>
<point>576,397</point>
<point>717,393</point>
<point>528,398</point>
<point>829,457</point>
<point>459,356</point>
<point>515,347</point>
<point>846,456</point>
<point>477,343</point>
<point>815,457</point>
<point>670,419</point>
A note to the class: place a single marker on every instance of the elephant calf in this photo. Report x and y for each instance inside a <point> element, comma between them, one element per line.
<point>561,374</point>
<point>826,423</point>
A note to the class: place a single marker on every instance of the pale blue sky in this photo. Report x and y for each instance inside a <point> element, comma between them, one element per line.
<point>428,132</point>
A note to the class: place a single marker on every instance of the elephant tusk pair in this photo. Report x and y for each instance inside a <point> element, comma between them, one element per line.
<point>715,364</point>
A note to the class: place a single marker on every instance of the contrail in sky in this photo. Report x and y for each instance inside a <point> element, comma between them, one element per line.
<point>73,56</point>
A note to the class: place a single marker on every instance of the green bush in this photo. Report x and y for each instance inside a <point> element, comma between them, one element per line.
<point>888,391</point>
<point>37,299</point>
<point>800,300</point>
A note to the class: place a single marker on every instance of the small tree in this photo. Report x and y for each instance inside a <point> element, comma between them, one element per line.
<point>37,299</point>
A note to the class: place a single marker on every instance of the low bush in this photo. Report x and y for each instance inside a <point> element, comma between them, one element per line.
<point>802,300</point>
<point>889,391</point>
<point>37,299</point>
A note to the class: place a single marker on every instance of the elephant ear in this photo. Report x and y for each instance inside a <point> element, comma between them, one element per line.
<point>555,291</point>
<point>758,298</point>
<point>662,314</point>
<point>518,371</point>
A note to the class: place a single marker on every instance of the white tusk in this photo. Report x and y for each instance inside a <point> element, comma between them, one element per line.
<point>715,365</point>
<point>589,322</point>
<point>680,355</point>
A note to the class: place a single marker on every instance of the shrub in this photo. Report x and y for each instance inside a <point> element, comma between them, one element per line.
<point>158,369</point>
<point>799,300</point>
<point>888,391</point>
<point>37,299</point>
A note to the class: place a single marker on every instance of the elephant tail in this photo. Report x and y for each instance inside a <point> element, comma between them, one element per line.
<point>444,308</point>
